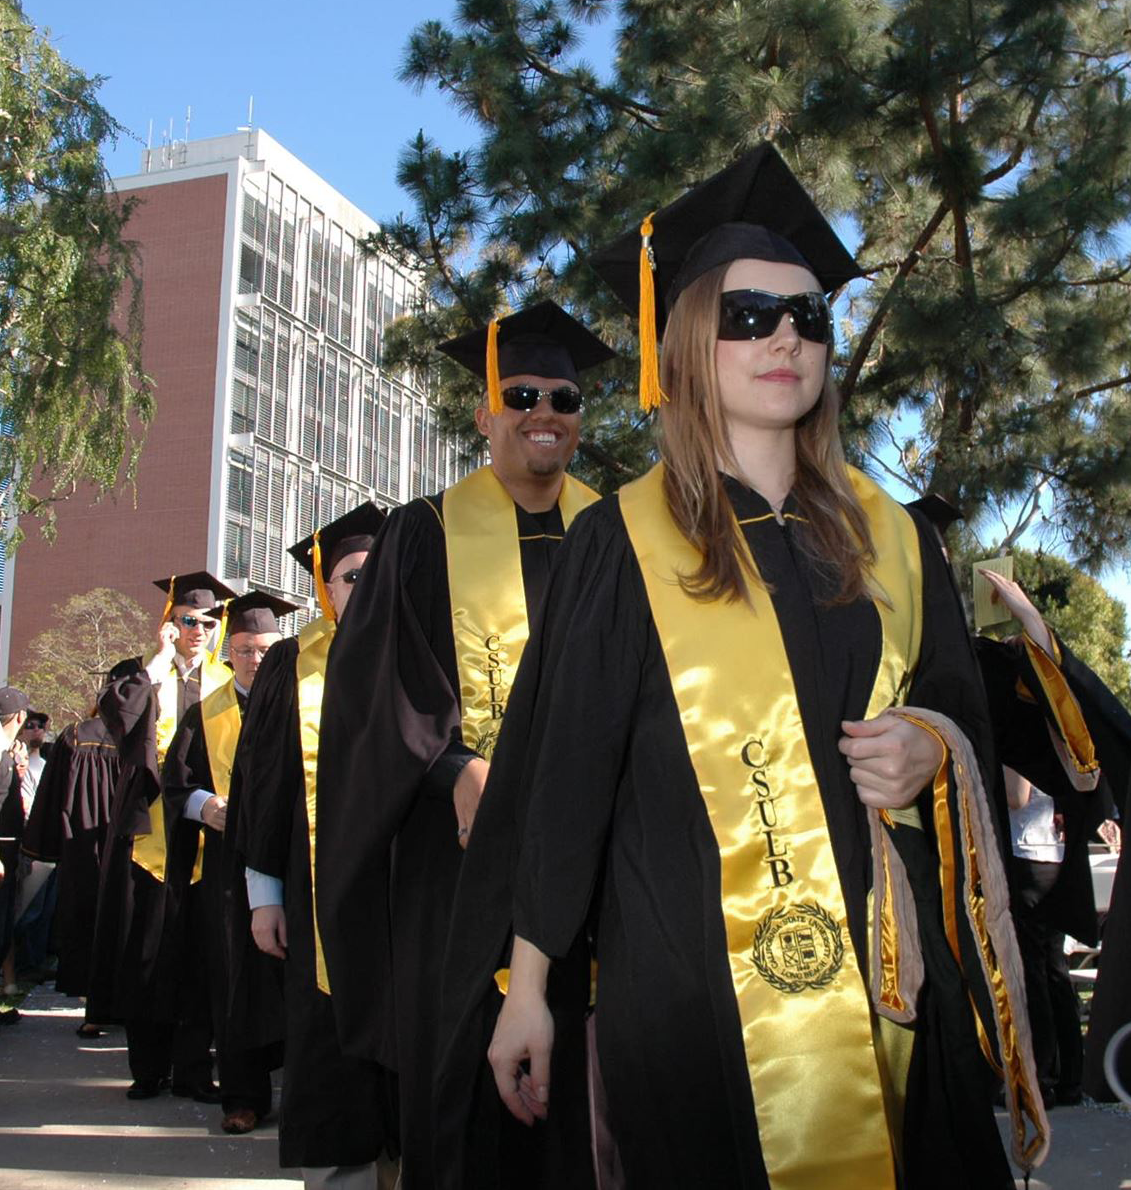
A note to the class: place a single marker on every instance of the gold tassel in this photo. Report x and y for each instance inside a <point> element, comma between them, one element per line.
<point>169,600</point>
<point>223,630</point>
<point>651,394</point>
<point>324,601</point>
<point>494,384</point>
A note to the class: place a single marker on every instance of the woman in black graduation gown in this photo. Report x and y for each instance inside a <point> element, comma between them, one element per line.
<point>699,763</point>
<point>67,826</point>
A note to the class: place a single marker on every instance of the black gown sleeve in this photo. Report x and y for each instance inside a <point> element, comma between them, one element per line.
<point>43,832</point>
<point>389,711</point>
<point>266,764</point>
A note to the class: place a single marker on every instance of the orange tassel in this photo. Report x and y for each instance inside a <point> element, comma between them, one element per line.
<point>494,384</point>
<point>223,630</point>
<point>320,583</point>
<point>169,600</point>
<point>651,394</point>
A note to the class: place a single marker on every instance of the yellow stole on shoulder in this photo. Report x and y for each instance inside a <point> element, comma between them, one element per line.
<point>220,713</point>
<point>310,670</point>
<point>489,619</point>
<point>806,1018</point>
<point>149,850</point>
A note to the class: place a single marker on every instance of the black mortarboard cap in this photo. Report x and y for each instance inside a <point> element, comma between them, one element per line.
<point>351,532</point>
<point>541,340</point>
<point>755,208</point>
<point>254,612</point>
<point>12,701</point>
<point>197,589</point>
<point>938,510</point>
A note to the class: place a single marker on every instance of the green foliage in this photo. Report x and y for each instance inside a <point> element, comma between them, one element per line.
<point>88,634</point>
<point>73,397</point>
<point>981,153</point>
<point>1090,621</point>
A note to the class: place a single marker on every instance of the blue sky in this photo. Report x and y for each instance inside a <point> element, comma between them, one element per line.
<point>323,79</point>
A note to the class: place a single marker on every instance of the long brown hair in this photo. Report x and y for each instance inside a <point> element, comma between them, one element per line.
<point>695,439</point>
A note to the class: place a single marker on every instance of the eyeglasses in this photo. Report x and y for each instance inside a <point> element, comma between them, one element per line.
<point>250,652</point>
<point>755,314</point>
<point>349,578</point>
<point>524,397</point>
<point>191,622</point>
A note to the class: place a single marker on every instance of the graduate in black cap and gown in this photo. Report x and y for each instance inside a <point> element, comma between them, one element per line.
<point>67,827</point>
<point>196,786</point>
<point>333,1118</point>
<point>745,733</point>
<point>418,682</point>
<point>141,708</point>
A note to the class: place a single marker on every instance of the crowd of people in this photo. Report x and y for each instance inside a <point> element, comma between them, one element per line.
<point>654,840</point>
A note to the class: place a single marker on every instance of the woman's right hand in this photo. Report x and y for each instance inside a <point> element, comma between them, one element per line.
<point>523,1032</point>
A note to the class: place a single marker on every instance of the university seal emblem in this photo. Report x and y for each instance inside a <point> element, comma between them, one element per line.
<point>798,947</point>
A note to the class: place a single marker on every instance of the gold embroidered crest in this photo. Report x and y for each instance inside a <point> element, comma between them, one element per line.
<point>798,947</point>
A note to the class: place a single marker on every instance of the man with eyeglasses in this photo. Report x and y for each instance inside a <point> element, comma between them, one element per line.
<point>415,694</point>
<point>141,708</point>
<point>196,781</point>
<point>333,1119</point>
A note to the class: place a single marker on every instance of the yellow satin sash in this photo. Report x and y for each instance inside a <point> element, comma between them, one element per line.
<point>489,620</point>
<point>310,670</point>
<point>220,713</point>
<point>149,850</point>
<point>804,1005</point>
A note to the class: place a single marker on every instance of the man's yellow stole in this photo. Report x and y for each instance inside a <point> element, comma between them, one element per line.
<point>806,1018</point>
<point>310,671</point>
<point>149,850</point>
<point>489,620</point>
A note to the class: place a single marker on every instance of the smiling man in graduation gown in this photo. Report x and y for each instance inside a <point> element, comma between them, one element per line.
<point>415,693</point>
<point>196,781</point>
<point>141,708</point>
<point>333,1116</point>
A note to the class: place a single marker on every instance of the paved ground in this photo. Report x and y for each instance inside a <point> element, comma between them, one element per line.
<point>65,1122</point>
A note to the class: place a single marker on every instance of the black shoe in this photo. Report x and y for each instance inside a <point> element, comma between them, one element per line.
<point>201,1092</point>
<point>9,1016</point>
<point>144,1088</point>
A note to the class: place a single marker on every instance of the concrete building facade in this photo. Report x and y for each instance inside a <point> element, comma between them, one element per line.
<point>264,322</point>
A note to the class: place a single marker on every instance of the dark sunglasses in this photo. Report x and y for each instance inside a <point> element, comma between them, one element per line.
<point>349,578</point>
<point>525,396</point>
<point>755,314</point>
<point>191,622</point>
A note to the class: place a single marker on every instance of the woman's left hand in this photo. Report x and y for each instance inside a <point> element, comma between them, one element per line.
<point>891,760</point>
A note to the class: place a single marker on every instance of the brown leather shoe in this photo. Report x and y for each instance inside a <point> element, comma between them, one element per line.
<point>243,1119</point>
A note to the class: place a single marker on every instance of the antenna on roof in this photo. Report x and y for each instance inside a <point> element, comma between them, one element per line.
<point>149,147</point>
<point>188,122</point>
<point>249,127</point>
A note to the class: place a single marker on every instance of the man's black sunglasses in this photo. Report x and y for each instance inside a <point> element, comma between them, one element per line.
<point>191,622</point>
<point>755,314</point>
<point>525,396</point>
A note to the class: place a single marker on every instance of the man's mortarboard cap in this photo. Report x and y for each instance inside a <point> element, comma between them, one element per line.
<point>319,553</point>
<point>254,612</point>
<point>12,701</point>
<point>542,340</point>
<point>197,589</point>
<point>938,510</point>
<point>754,209</point>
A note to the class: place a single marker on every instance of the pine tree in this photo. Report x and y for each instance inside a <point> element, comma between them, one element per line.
<point>73,397</point>
<point>978,154</point>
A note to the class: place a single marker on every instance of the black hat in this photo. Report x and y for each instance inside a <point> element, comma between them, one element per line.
<point>542,340</point>
<point>254,612</point>
<point>755,208</point>
<point>37,718</point>
<point>12,701</point>
<point>350,533</point>
<point>197,589</point>
<point>938,510</point>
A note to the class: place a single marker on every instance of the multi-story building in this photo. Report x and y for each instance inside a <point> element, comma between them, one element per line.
<point>263,330</point>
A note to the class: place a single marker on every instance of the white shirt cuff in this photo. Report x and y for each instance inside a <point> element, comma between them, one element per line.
<point>195,803</point>
<point>262,889</point>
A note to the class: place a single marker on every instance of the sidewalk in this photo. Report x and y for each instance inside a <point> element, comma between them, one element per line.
<point>65,1122</point>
